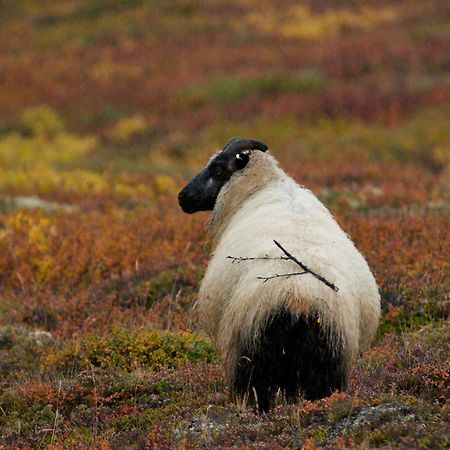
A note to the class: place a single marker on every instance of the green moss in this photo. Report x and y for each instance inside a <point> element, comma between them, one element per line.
<point>90,10</point>
<point>423,138</point>
<point>20,349</point>
<point>9,400</point>
<point>378,437</point>
<point>150,349</point>
<point>412,315</point>
<point>225,90</point>
<point>159,285</point>
<point>340,409</point>
<point>142,420</point>
<point>318,433</point>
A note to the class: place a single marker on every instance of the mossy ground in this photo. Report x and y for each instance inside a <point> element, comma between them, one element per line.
<point>107,108</point>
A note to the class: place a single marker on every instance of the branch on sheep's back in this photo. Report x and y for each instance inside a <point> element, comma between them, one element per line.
<point>239,259</point>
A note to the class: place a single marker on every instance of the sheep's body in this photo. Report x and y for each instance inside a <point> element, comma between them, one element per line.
<point>260,204</point>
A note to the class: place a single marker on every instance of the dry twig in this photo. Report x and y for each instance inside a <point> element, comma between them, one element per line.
<point>289,256</point>
<point>286,275</point>
<point>306,269</point>
<point>239,259</point>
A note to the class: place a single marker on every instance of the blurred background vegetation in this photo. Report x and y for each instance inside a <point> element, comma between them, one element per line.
<point>107,107</point>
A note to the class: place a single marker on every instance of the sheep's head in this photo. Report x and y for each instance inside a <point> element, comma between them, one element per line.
<point>201,192</point>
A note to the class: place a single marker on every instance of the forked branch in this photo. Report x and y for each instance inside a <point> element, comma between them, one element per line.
<point>289,256</point>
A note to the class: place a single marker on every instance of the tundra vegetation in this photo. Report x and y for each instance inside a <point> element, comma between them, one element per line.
<point>108,107</point>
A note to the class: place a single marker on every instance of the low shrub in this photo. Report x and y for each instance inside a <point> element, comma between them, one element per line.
<point>150,349</point>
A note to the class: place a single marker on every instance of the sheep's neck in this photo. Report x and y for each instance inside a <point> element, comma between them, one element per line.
<point>262,170</point>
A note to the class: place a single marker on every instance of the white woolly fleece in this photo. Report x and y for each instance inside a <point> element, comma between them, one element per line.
<point>259,204</point>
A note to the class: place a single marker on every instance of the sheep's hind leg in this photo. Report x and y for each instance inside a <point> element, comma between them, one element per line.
<point>295,358</point>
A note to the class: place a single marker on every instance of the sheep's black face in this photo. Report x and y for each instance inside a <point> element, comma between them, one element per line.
<point>201,192</point>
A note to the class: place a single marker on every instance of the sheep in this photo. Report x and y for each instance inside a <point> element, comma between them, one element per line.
<point>278,334</point>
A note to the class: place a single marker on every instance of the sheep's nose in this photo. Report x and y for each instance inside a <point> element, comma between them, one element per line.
<point>186,200</point>
<point>183,196</point>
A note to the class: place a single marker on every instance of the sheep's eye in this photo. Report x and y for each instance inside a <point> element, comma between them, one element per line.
<point>241,160</point>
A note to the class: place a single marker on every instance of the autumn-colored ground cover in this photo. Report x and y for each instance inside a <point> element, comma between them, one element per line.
<point>107,107</point>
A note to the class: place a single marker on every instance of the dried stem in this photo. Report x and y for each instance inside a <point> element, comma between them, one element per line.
<point>286,275</point>
<point>306,269</point>
<point>239,259</point>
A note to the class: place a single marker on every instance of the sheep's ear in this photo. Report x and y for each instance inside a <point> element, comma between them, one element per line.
<point>237,145</point>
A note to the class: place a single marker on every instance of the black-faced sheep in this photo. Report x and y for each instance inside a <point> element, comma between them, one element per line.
<point>294,335</point>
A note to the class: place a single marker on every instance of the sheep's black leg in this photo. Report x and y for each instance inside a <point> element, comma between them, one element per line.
<point>295,358</point>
